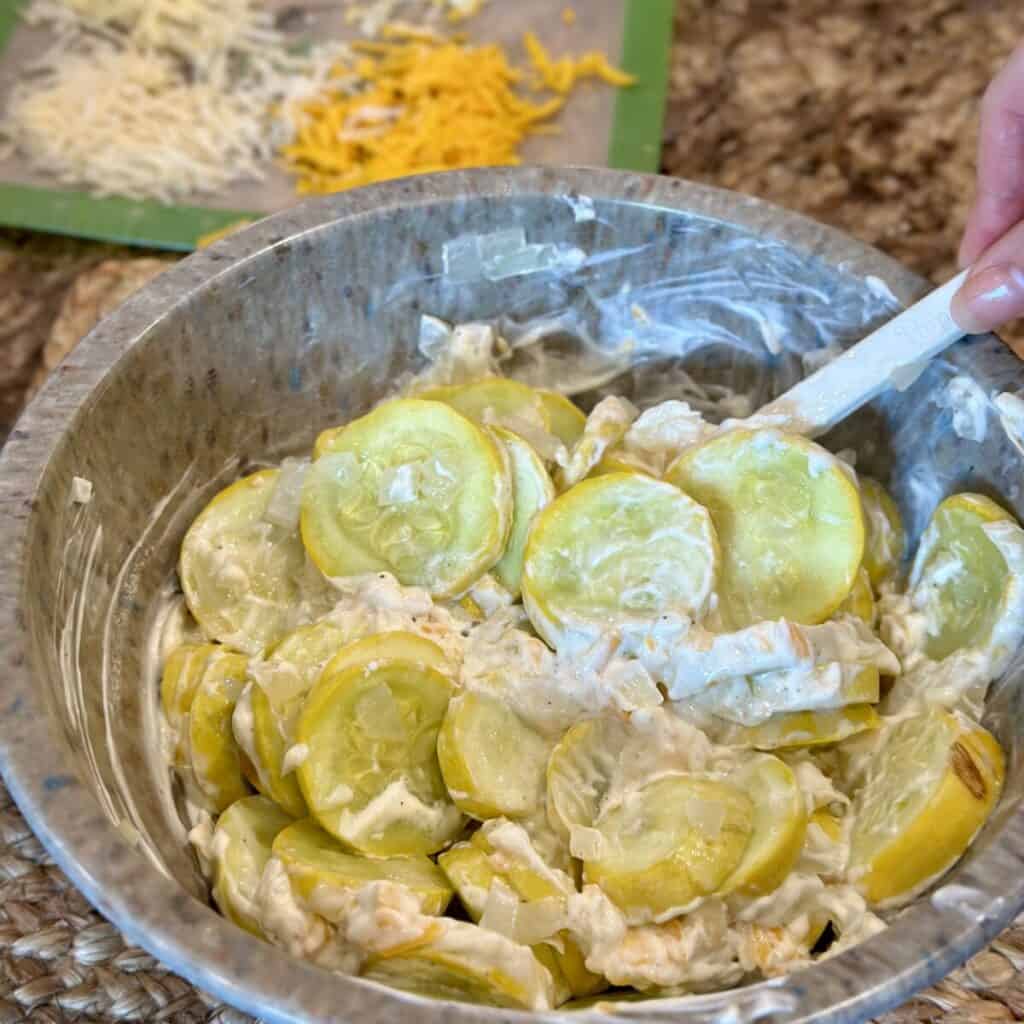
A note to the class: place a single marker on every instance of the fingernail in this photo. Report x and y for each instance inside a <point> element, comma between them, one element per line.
<point>964,254</point>
<point>989,298</point>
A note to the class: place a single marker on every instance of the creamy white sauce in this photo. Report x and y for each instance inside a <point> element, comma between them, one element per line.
<point>821,855</point>
<point>1011,417</point>
<point>489,595</point>
<point>660,433</point>
<point>666,679</point>
<point>698,949</point>
<point>294,756</point>
<point>606,425</point>
<point>514,849</point>
<point>243,726</point>
<point>879,288</point>
<point>201,838</point>
<point>547,691</point>
<point>969,404</point>
<point>378,603</point>
<point>298,931</point>
<point>383,916</point>
<point>396,804</point>
<point>688,658</point>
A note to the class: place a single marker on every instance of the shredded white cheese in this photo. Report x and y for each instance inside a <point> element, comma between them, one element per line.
<point>200,31</point>
<point>371,16</point>
<point>159,99</point>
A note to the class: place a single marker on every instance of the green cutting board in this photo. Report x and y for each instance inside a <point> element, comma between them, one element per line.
<point>600,125</point>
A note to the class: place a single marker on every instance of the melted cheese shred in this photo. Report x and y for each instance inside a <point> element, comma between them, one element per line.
<point>428,104</point>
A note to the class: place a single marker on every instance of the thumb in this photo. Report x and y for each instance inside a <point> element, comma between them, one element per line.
<point>993,293</point>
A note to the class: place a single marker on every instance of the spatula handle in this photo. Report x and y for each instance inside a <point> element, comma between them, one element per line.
<point>892,356</point>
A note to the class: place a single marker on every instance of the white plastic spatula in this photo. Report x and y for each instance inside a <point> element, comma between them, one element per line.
<point>892,356</point>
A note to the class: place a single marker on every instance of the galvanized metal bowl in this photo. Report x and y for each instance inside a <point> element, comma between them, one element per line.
<point>248,349</point>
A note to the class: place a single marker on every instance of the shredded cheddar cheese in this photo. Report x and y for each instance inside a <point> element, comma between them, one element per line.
<point>562,75</point>
<point>427,105</point>
<point>167,99</point>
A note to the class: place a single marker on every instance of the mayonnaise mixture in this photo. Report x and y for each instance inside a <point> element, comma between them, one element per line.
<point>683,696</point>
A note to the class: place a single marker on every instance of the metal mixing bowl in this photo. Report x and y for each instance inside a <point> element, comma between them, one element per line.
<point>248,349</point>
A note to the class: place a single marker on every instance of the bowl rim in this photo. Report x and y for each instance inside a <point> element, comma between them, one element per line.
<point>189,938</point>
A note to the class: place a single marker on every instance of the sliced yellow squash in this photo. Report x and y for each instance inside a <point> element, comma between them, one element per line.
<point>532,490</point>
<point>214,754</point>
<point>805,728</point>
<point>321,870</point>
<point>396,645</point>
<point>789,521</point>
<point>669,843</point>
<point>489,401</point>
<point>371,776</point>
<point>960,578</point>
<point>240,573</point>
<point>780,824</point>
<point>929,789</point>
<point>493,763</point>
<point>182,674</point>
<point>467,964</point>
<point>566,419</point>
<point>618,546</point>
<point>242,843</point>
<point>470,871</point>
<point>580,771</point>
<point>885,540</point>
<point>284,681</point>
<point>413,488</point>
<point>617,460</point>
<point>860,602</point>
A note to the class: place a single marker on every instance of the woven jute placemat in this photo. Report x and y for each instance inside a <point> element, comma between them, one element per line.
<point>861,113</point>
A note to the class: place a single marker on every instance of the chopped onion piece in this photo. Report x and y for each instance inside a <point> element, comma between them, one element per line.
<point>501,910</point>
<point>379,715</point>
<point>544,443</point>
<point>435,336</point>
<point>540,920</point>
<point>707,815</point>
<point>283,507</point>
<point>586,843</point>
<point>279,680</point>
<point>81,490</point>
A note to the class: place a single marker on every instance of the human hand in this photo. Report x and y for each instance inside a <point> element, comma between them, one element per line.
<point>993,241</point>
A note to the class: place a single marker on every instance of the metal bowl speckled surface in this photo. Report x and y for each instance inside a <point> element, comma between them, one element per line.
<point>246,350</point>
